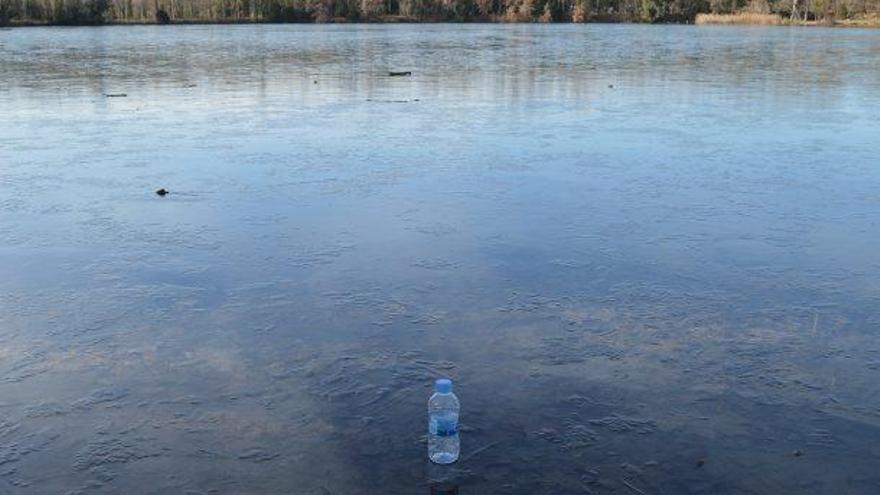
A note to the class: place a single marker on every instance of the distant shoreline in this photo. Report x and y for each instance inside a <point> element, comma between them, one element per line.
<point>702,20</point>
<point>845,13</point>
<point>26,13</point>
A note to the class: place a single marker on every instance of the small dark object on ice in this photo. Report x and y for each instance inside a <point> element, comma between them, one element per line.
<point>399,74</point>
<point>115,95</point>
<point>162,192</point>
<point>701,462</point>
<point>443,488</point>
<point>797,453</point>
<point>611,86</point>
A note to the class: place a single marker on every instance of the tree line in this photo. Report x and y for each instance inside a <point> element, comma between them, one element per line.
<point>164,11</point>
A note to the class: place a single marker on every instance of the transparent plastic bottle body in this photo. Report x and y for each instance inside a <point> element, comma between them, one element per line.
<point>443,410</point>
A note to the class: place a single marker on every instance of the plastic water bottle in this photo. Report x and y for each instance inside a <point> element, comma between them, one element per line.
<point>443,409</point>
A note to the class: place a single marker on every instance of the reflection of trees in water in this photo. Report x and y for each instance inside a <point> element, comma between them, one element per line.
<point>472,62</point>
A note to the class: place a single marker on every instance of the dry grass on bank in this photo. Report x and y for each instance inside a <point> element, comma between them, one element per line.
<point>741,18</point>
<point>861,21</point>
<point>871,20</point>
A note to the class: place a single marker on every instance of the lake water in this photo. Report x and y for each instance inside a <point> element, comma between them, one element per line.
<point>647,255</point>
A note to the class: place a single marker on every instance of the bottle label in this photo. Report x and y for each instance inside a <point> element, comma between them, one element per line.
<point>443,425</point>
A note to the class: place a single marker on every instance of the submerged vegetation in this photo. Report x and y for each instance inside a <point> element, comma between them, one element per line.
<point>846,12</point>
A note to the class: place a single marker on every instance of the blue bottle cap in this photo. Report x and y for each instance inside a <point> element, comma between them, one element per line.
<point>443,386</point>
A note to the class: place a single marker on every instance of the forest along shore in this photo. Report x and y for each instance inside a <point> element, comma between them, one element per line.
<point>859,13</point>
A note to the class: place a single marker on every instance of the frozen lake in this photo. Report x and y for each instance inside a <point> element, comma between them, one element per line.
<point>647,255</point>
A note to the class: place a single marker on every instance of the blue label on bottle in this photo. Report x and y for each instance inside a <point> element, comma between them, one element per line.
<point>445,425</point>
